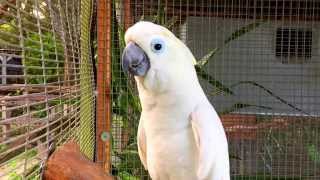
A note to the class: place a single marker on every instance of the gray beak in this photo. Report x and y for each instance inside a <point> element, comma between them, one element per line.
<point>135,60</point>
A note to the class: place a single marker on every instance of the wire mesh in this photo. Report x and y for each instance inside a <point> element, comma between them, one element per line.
<point>258,62</point>
<point>46,92</point>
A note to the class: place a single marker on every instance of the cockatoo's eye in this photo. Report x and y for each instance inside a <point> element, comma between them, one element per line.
<point>157,45</point>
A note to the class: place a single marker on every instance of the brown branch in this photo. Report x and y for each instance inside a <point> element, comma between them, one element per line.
<point>5,7</point>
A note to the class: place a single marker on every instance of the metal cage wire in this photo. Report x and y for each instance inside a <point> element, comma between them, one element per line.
<point>46,84</point>
<point>258,62</point>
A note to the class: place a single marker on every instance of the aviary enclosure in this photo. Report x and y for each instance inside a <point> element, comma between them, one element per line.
<point>61,79</point>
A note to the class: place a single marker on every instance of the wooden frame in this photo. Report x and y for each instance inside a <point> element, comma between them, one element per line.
<point>103,122</point>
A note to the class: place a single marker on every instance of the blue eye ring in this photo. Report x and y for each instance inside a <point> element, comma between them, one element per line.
<point>157,45</point>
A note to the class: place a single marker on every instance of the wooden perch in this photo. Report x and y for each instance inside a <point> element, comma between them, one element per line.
<point>67,163</point>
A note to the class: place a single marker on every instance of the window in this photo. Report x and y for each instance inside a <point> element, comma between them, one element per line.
<point>293,43</point>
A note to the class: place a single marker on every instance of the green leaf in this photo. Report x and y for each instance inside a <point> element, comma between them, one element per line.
<point>236,34</point>
<point>170,23</point>
<point>243,30</point>
<point>270,93</point>
<point>121,32</point>
<point>313,153</point>
<point>36,51</point>
<point>3,147</point>
<point>129,152</point>
<point>205,59</point>
<point>123,102</point>
<point>127,176</point>
<point>14,176</point>
<point>211,80</point>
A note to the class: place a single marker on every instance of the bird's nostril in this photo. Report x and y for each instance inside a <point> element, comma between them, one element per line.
<point>135,65</point>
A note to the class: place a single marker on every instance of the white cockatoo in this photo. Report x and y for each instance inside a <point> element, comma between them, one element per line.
<point>180,135</point>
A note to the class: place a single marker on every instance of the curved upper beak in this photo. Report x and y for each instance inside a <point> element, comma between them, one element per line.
<point>135,60</point>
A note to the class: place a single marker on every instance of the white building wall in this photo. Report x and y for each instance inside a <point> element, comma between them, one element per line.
<point>252,58</point>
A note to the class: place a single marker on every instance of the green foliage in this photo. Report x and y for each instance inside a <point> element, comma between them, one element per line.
<point>127,176</point>
<point>34,173</point>
<point>242,31</point>
<point>15,164</point>
<point>129,161</point>
<point>125,103</point>
<point>25,155</point>
<point>43,55</point>
<point>15,176</point>
<point>314,153</point>
<point>9,33</point>
<point>211,80</point>
<point>3,147</point>
<point>43,58</point>
<point>202,62</point>
<point>40,111</point>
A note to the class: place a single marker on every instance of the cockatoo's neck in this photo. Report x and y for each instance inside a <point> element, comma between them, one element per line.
<point>156,88</point>
<point>160,81</point>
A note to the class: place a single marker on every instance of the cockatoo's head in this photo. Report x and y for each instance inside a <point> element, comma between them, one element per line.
<point>155,56</point>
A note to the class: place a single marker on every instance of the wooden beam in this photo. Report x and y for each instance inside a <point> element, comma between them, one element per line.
<point>3,59</point>
<point>128,19</point>
<point>103,147</point>
<point>287,10</point>
<point>5,128</point>
<point>38,88</point>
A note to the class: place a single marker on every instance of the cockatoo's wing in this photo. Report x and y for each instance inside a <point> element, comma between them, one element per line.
<point>142,146</point>
<point>212,144</point>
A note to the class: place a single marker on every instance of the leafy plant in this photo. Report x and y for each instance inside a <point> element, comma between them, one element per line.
<point>15,165</point>
<point>41,62</point>
<point>314,153</point>
<point>125,103</point>
<point>14,176</point>
<point>9,33</point>
<point>43,56</point>
<point>3,147</point>
<point>127,176</point>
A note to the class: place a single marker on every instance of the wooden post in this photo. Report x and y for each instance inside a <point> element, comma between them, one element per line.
<point>65,110</point>
<point>127,13</point>
<point>103,148</point>
<point>4,69</point>
<point>4,116</point>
